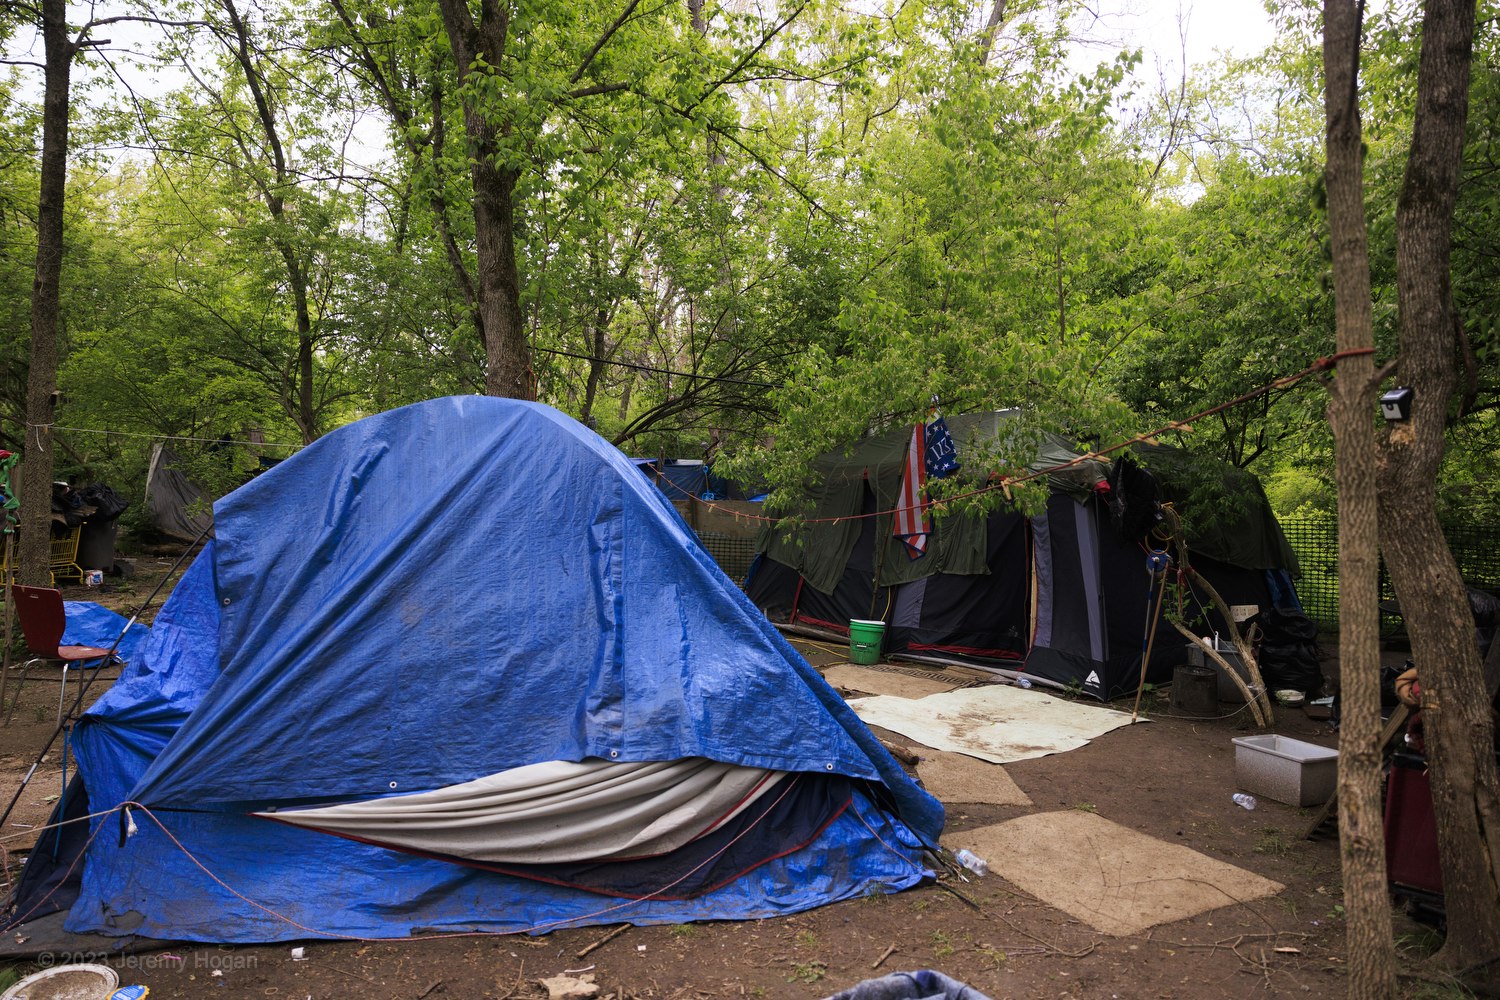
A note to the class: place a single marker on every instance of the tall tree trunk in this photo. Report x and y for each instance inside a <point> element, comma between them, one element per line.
<point>507,356</point>
<point>1372,967</point>
<point>1455,702</point>
<point>41,381</point>
<point>991,28</point>
<point>300,402</point>
<point>395,102</point>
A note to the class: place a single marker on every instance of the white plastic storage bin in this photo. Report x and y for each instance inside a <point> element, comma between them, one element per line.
<point>1287,770</point>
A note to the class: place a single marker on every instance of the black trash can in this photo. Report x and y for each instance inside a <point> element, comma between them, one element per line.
<point>96,544</point>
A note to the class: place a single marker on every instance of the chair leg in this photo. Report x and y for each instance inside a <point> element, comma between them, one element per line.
<point>62,694</point>
<point>16,698</point>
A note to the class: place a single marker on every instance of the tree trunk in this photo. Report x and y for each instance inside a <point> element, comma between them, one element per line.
<point>1455,703</point>
<point>300,405</point>
<point>507,356</point>
<point>990,30</point>
<point>41,381</point>
<point>1372,967</point>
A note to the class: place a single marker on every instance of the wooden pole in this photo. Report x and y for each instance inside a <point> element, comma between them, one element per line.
<point>5,656</point>
<point>1161,593</point>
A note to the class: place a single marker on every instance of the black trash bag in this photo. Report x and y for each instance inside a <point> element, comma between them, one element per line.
<point>107,504</point>
<point>67,502</point>
<point>1134,499</point>
<point>1288,654</point>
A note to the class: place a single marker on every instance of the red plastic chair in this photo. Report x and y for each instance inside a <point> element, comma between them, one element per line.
<point>43,621</point>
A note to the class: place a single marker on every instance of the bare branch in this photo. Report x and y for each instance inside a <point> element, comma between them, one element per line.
<point>603,40</point>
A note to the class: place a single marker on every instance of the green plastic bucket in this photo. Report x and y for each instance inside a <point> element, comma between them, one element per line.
<point>864,640</point>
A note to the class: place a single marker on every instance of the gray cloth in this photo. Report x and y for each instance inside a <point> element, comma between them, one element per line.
<point>178,507</point>
<point>555,811</point>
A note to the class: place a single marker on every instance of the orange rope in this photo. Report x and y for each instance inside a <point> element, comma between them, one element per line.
<point>1004,483</point>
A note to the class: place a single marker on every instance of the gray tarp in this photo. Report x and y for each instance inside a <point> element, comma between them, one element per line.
<point>555,811</point>
<point>178,507</point>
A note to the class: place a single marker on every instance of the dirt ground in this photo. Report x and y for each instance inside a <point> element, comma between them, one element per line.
<point>1171,779</point>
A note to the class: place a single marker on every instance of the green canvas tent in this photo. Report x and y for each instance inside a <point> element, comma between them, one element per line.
<point>1060,595</point>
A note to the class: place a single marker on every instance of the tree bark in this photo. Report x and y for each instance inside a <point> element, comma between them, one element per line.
<point>41,380</point>
<point>1455,703</point>
<point>990,30</point>
<point>507,356</point>
<point>1372,968</point>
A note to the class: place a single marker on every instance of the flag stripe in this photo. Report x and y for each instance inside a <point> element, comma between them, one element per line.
<point>911,523</point>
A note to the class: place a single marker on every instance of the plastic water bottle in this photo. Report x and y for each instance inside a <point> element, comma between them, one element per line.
<point>1241,799</point>
<point>1023,682</point>
<point>973,862</point>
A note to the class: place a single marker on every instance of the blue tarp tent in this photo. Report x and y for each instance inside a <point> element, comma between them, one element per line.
<point>401,609</point>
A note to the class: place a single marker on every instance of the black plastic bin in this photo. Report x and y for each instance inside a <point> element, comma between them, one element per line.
<point>96,544</point>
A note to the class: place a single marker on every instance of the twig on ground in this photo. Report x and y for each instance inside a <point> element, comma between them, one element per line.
<point>345,972</point>
<point>520,977</point>
<point>430,987</point>
<point>1051,949</point>
<point>901,753</point>
<point>883,956</point>
<point>606,939</point>
<point>962,898</point>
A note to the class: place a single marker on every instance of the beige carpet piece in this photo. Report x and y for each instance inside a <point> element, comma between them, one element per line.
<point>1116,880</point>
<point>997,723</point>
<point>955,778</point>
<point>848,677</point>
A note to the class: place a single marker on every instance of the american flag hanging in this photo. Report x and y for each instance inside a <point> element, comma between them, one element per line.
<point>912,523</point>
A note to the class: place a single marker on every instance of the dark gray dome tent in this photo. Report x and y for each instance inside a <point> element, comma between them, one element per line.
<point>1060,596</point>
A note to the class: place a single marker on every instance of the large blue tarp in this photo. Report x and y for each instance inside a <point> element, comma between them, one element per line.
<point>91,624</point>
<point>422,598</point>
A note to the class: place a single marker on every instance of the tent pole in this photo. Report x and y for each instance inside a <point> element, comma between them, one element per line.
<point>880,539</point>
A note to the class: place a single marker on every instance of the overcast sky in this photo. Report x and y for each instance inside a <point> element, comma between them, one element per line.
<point>1240,26</point>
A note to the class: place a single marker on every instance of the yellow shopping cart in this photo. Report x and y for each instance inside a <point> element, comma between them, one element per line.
<point>62,557</point>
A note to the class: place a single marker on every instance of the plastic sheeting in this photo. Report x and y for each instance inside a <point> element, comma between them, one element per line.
<point>608,810</point>
<point>420,599</point>
<point>90,624</point>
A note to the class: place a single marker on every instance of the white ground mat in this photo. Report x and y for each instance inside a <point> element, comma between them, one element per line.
<point>1115,879</point>
<point>848,677</point>
<point>956,778</point>
<point>997,723</point>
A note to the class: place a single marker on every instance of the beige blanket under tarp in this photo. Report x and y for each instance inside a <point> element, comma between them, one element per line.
<point>556,811</point>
